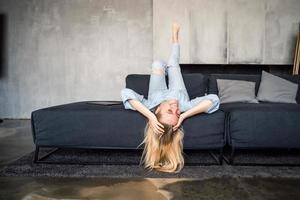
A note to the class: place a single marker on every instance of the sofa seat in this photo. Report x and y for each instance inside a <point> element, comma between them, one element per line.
<point>263,125</point>
<point>228,107</point>
<point>81,124</point>
<point>205,131</point>
<point>85,125</point>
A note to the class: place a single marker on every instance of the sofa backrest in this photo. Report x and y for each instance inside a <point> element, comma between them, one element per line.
<point>213,88</point>
<point>195,83</point>
<point>198,84</point>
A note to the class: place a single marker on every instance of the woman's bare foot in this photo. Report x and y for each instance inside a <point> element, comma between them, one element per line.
<point>175,31</point>
<point>175,27</point>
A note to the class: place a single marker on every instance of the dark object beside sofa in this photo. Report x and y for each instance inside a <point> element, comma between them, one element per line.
<point>85,125</point>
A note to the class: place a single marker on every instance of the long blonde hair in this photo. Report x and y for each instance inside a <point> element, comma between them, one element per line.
<point>165,153</point>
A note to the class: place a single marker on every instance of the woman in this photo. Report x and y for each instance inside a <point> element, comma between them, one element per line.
<point>166,109</point>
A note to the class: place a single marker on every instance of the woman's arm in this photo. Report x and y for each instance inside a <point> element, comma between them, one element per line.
<point>141,108</point>
<point>153,122</point>
<point>203,106</point>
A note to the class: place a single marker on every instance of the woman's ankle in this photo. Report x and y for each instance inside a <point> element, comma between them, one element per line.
<point>175,32</point>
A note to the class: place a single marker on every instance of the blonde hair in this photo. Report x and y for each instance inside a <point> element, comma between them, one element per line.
<point>165,153</point>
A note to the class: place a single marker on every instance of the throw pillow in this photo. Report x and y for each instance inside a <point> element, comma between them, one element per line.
<point>276,89</point>
<point>236,91</point>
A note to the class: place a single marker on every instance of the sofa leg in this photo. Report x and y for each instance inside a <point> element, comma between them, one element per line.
<point>231,158</point>
<point>221,156</point>
<point>36,158</point>
<point>36,154</point>
<point>217,158</point>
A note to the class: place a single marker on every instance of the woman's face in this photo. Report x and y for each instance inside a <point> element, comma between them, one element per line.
<point>169,111</point>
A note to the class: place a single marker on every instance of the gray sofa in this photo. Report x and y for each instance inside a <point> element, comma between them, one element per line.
<point>85,125</point>
<point>236,125</point>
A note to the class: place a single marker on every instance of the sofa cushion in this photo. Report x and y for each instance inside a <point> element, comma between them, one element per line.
<point>139,83</point>
<point>212,83</point>
<point>264,125</point>
<point>82,124</point>
<point>236,91</point>
<point>264,106</point>
<point>195,84</point>
<point>88,125</point>
<point>204,131</point>
<point>292,78</point>
<point>213,86</point>
<point>276,89</point>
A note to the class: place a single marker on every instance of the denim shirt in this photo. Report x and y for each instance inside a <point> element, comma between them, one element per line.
<point>184,102</point>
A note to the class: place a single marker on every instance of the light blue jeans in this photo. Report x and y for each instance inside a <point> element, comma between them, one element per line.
<point>158,81</point>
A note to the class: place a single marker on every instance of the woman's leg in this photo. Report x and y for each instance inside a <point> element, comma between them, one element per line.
<point>157,77</point>
<point>174,72</point>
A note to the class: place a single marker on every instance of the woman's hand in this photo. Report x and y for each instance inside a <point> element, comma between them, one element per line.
<point>180,120</point>
<point>155,125</point>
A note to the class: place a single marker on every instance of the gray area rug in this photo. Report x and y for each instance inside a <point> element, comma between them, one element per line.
<point>25,167</point>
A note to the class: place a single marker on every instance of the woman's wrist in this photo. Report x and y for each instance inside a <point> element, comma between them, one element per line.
<point>151,115</point>
<point>184,115</point>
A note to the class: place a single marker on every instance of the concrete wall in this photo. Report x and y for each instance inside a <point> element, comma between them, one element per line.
<point>228,31</point>
<point>63,51</point>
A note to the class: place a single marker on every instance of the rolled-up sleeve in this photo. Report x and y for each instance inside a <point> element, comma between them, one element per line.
<point>216,102</point>
<point>127,94</point>
<point>213,97</point>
